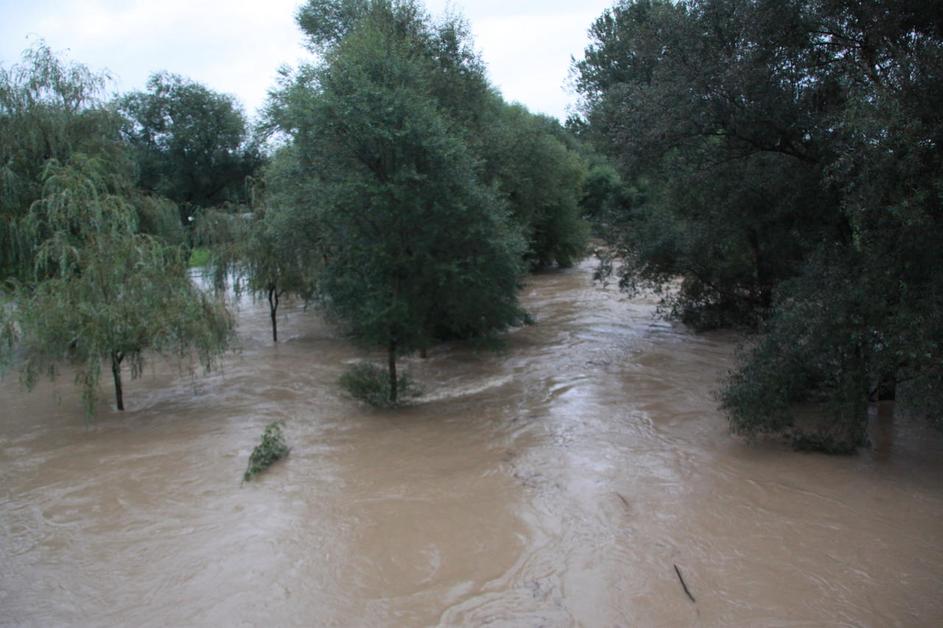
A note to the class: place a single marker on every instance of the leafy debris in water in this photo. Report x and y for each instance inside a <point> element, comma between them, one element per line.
<point>270,450</point>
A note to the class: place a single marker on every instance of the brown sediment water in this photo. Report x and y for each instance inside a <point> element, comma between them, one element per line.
<point>555,483</point>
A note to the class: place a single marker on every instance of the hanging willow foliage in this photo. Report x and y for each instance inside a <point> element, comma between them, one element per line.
<point>101,291</point>
<point>49,110</point>
<point>81,281</point>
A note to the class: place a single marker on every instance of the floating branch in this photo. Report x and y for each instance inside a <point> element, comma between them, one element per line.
<point>683,584</point>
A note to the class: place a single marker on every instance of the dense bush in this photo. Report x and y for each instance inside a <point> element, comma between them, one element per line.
<point>370,383</point>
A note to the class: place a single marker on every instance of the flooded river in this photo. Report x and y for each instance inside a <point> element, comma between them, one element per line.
<point>556,483</point>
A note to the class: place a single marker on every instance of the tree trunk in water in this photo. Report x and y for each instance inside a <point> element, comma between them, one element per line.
<point>858,434</point>
<point>392,366</point>
<point>273,308</point>
<point>116,357</point>
<point>761,272</point>
<point>885,389</point>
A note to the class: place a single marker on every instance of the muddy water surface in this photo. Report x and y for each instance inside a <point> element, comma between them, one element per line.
<point>556,483</point>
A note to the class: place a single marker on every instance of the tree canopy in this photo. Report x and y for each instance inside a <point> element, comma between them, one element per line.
<point>93,267</point>
<point>102,291</point>
<point>416,246</point>
<point>49,110</point>
<point>526,157</point>
<point>542,180</point>
<point>190,143</point>
<point>271,248</point>
<point>787,160</point>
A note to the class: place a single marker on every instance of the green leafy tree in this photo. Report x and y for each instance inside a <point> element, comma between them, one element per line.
<point>271,249</point>
<point>92,268</point>
<point>713,129</point>
<point>602,191</point>
<point>415,245</point>
<point>190,143</point>
<point>863,321</point>
<point>542,180</point>
<point>526,157</point>
<point>788,160</point>
<point>283,254</point>
<point>102,292</point>
<point>49,109</point>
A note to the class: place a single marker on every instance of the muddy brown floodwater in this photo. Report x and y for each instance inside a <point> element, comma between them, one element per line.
<point>554,484</point>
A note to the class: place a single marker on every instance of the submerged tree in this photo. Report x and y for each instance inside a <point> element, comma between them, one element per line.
<point>92,269</point>
<point>788,155</point>
<point>102,291</point>
<point>704,111</point>
<point>271,249</point>
<point>414,243</point>
<point>283,249</point>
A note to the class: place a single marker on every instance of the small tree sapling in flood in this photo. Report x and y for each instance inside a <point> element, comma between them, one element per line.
<point>369,383</point>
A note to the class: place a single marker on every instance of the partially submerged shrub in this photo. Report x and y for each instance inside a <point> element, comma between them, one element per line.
<point>371,383</point>
<point>825,443</point>
<point>270,450</point>
<point>806,377</point>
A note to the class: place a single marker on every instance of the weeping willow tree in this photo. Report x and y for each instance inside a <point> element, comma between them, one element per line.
<point>102,292</point>
<point>49,109</point>
<point>283,253</point>
<point>275,265</point>
<point>263,252</point>
<point>91,270</point>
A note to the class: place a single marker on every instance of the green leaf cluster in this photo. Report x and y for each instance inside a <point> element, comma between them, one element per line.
<point>416,243</point>
<point>272,449</point>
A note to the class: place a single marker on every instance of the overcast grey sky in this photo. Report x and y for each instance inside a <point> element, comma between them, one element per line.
<point>235,46</point>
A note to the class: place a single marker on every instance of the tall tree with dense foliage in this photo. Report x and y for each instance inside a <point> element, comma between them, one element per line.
<point>542,181</point>
<point>191,144</point>
<point>708,128</point>
<point>521,154</point>
<point>416,245</point>
<point>788,156</point>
